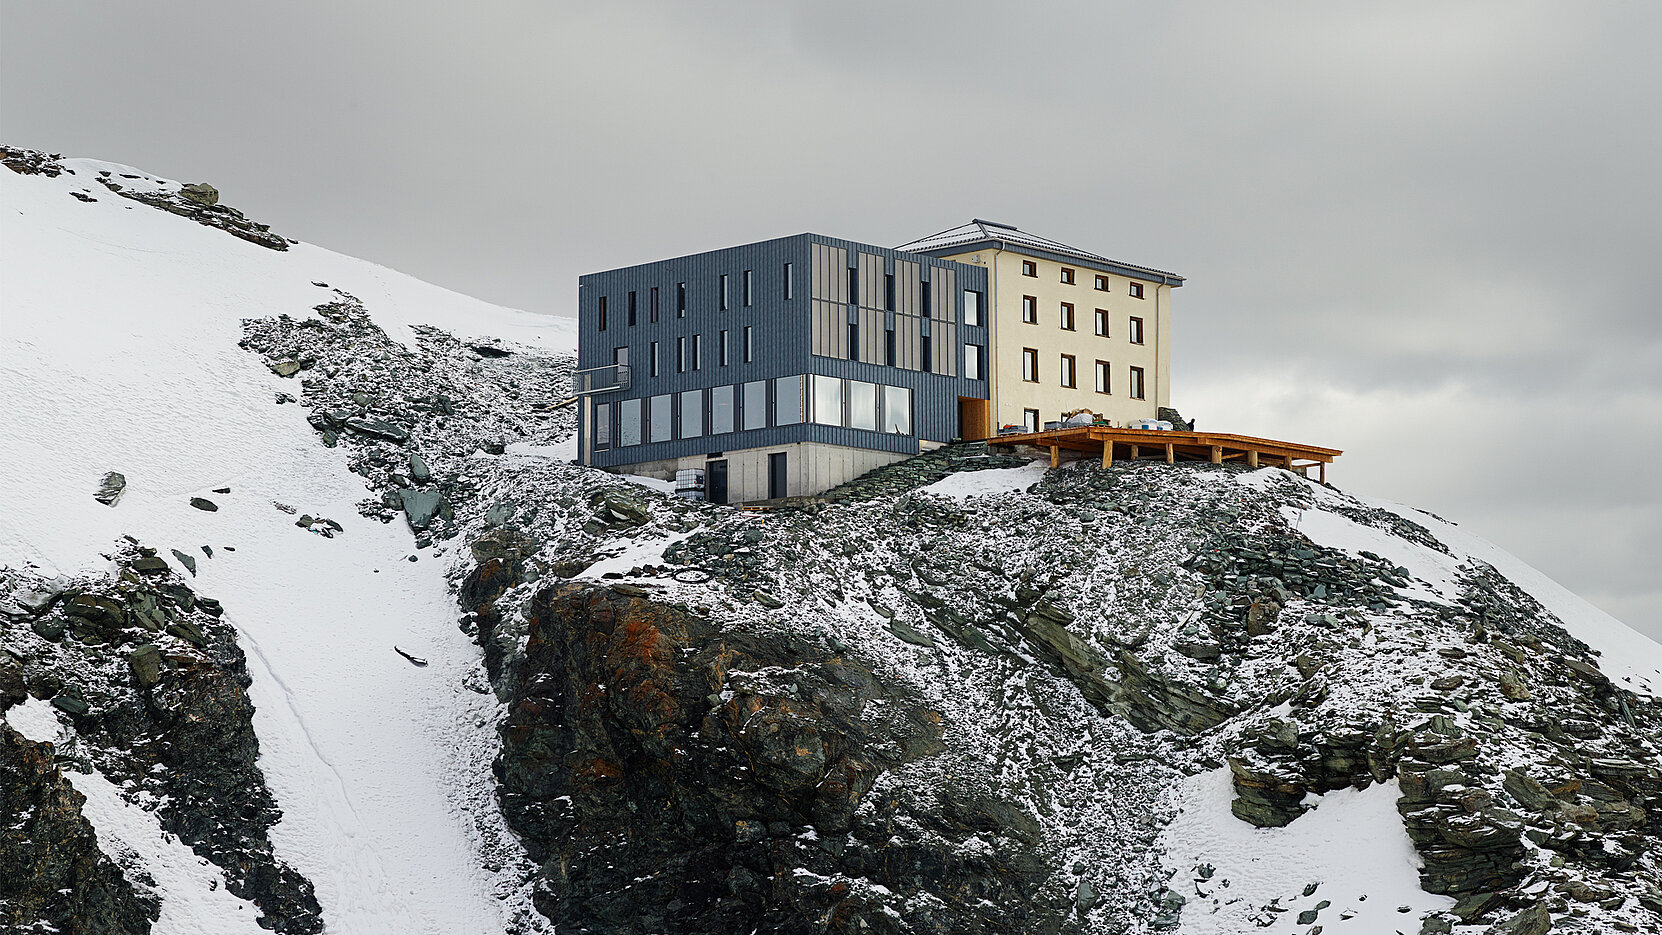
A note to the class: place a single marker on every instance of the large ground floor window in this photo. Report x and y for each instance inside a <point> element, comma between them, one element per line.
<point>720,410</point>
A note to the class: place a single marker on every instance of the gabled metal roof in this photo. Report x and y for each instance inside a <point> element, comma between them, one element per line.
<point>994,234</point>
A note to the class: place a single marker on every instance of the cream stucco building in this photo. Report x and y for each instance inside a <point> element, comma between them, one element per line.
<point>1067,329</point>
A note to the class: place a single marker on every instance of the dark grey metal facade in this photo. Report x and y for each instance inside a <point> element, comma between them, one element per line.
<point>643,305</point>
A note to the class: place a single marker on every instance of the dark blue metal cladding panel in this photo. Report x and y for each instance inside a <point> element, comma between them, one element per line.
<point>781,343</point>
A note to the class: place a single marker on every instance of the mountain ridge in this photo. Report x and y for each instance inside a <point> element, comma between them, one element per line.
<point>985,696</point>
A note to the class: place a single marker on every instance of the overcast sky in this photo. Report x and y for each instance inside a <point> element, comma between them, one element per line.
<point>1426,233</point>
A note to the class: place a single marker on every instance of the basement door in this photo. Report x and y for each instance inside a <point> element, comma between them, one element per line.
<point>777,475</point>
<point>715,481</point>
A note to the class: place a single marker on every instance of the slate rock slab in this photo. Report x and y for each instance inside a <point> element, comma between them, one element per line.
<point>378,428</point>
<point>111,488</point>
<point>420,506</point>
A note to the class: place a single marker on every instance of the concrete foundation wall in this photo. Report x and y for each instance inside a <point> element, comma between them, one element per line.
<point>811,468</point>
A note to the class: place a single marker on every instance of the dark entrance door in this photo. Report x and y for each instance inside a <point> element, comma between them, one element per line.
<point>715,481</point>
<point>776,475</point>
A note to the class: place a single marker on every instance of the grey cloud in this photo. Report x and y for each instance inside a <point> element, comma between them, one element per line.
<point>1420,214</point>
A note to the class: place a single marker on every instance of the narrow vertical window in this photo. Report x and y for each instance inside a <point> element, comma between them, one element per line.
<point>1029,268</point>
<point>853,341</point>
<point>1102,322</point>
<point>680,355</point>
<point>1030,365</point>
<point>620,356</point>
<point>1067,276</point>
<point>888,348</point>
<point>680,300</point>
<point>652,358</point>
<point>897,410</point>
<point>853,285</point>
<point>747,285</point>
<point>790,404</point>
<point>721,302</point>
<point>1136,380</point>
<point>692,414</point>
<point>1135,333</point>
<point>862,405</point>
<point>1104,382</point>
<point>697,351</point>
<point>660,418</point>
<point>1136,290</point>
<point>972,362</point>
<point>828,400</point>
<point>888,291</point>
<point>602,314</point>
<point>972,308</point>
<point>1102,284</point>
<point>602,426</point>
<point>1067,372</point>
<point>1030,309</point>
<point>753,405</point>
<point>721,410</point>
<point>1067,316</point>
<point>926,351</point>
<point>652,306</point>
<point>721,350</point>
<point>787,282</point>
<point>629,422</point>
<point>749,346</point>
<point>631,308</point>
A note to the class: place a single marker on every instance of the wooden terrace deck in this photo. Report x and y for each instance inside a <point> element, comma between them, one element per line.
<point>1216,447</point>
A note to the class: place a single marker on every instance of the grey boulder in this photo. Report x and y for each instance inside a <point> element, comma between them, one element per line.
<point>111,488</point>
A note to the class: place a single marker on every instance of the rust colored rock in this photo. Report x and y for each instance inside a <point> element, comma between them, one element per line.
<point>675,762</point>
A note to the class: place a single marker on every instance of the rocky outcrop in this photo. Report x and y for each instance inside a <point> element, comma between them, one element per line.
<point>31,162</point>
<point>51,870</point>
<point>154,687</point>
<point>199,202</point>
<point>673,777</point>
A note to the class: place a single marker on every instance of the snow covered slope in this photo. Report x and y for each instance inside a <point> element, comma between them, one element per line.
<point>119,352</point>
<point>1626,655</point>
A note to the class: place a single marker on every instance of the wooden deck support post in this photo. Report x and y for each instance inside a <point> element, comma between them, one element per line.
<point>1171,455</point>
<point>1217,454</point>
<point>1321,469</point>
<point>1055,455</point>
<point>1108,453</point>
<point>1133,452</point>
<point>1252,458</point>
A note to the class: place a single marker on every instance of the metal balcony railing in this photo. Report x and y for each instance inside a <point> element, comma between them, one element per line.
<point>606,379</point>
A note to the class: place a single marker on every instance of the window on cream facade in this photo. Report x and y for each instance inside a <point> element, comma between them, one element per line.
<point>1136,381</point>
<point>1030,364</point>
<point>1067,372</point>
<point>1102,323</point>
<point>1135,333</point>
<point>1067,276</point>
<point>1102,284</point>
<point>1136,290</point>
<point>1029,268</point>
<point>1067,316</point>
<point>1030,309</point>
<point>1104,376</point>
